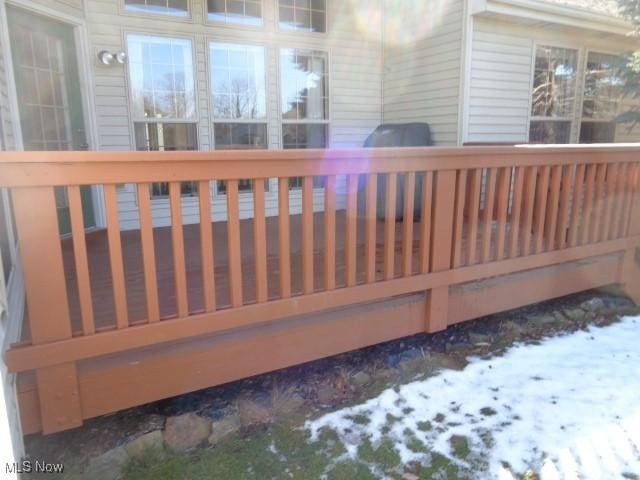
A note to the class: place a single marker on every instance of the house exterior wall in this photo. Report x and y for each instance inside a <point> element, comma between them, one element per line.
<point>422,63</point>
<point>500,78</point>
<point>355,86</point>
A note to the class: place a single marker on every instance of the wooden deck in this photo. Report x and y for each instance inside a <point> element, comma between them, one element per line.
<point>119,318</point>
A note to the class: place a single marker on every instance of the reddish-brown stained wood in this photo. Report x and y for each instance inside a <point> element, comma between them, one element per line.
<point>351,230</point>
<point>177,244</point>
<point>487,214</point>
<point>115,256</point>
<point>425,223</point>
<point>599,200</point>
<point>80,257</point>
<point>540,208</point>
<point>563,212</point>
<point>284,237</point>
<point>516,210</point>
<point>609,201</point>
<point>206,247</point>
<point>370,229</point>
<point>504,183</point>
<point>233,234</point>
<point>618,201</point>
<point>551,221</point>
<point>461,191</point>
<point>407,222</point>
<point>390,225</point>
<point>633,171</point>
<point>330,233</point>
<point>529,203</point>
<point>576,204</point>
<point>148,252</point>
<point>307,235</point>
<point>260,240</point>
<point>588,204</point>
<point>474,213</point>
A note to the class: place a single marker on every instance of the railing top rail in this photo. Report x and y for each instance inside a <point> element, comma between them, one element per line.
<point>48,168</point>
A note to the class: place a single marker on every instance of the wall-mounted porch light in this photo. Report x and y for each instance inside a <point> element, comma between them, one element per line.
<point>108,58</point>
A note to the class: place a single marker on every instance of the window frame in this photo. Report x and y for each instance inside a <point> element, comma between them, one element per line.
<point>299,31</point>
<point>233,25</point>
<point>188,18</point>
<point>578,88</point>
<point>133,119</point>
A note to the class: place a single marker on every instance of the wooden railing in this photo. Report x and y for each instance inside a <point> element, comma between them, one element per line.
<point>467,214</point>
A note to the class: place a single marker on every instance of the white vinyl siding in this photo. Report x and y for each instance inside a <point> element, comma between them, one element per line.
<point>355,66</point>
<point>7,142</point>
<point>422,75</point>
<point>499,97</point>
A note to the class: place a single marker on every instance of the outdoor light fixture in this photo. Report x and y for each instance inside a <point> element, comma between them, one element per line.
<point>108,58</point>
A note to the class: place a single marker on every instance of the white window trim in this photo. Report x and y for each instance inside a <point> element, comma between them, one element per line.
<point>298,31</point>
<point>188,18</point>
<point>233,25</point>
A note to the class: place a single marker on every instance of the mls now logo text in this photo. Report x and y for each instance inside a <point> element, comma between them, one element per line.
<point>37,466</point>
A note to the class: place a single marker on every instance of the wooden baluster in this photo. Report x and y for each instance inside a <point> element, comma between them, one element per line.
<point>407,222</point>
<point>284,239</point>
<point>474,214</point>
<point>425,222</point>
<point>461,190</point>
<point>46,297</point>
<point>330,233</point>
<point>350,241</point>
<point>115,256</point>
<point>633,170</point>
<point>206,247</point>
<point>531,178</point>
<point>541,208</point>
<point>504,184</point>
<point>148,252</point>
<point>260,240</point>
<point>588,204</point>
<point>630,271</point>
<point>577,202</point>
<point>370,229</point>
<point>307,235</point>
<point>516,210</point>
<point>618,201</point>
<point>177,242</point>
<point>233,240</point>
<point>487,214</point>
<point>81,261</point>
<point>595,230</point>
<point>551,221</point>
<point>609,201</point>
<point>390,225</point>
<point>563,212</point>
<point>441,248</point>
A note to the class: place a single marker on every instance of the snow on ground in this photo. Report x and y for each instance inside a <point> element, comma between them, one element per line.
<point>568,407</point>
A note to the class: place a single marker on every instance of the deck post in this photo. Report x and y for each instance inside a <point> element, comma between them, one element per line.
<point>441,247</point>
<point>630,271</point>
<point>46,292</point>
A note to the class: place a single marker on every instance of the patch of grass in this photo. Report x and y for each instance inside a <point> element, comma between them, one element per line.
<point>460,446</point>
<point>360,419</point>
<point>350,470</point>
<point>440,467</point>
<point>488,411</point>
<point>384,456</point>
<point>424,426</point>
<point>413,443</point>
<point>439,418</point>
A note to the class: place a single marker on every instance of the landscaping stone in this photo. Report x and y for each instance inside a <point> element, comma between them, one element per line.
<point>443,361</point>
<point>187,431</point>
<point>326,393</point>
<point>545,319</point>
<point>361,379</point>
<point>410,476</point>
<point>107,466</point>
<point>224,427</point>
<point>148,441</point>
<point>455,347</point>
<point>574,314</point>
<point>480,338</point>
<point>286,402</point>
<point>253,413</point>
<point>593,305</point>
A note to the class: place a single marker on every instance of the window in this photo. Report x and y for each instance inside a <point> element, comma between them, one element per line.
<point>303,15</point>
<point>178,8</point>
<point>163,98</point>
<point>244,12</point>
<point>553,96</point>
<point>602,91</point>
<point>304,100</point>
<point>239,100</point>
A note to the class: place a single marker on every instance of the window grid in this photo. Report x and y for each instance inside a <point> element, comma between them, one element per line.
<point>242,12</point>
<point>602,93</point>
<point>303,15</point>
<point>177,8</point>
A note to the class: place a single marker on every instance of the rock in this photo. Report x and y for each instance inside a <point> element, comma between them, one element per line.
<point>511,327</point>
<point>148,441</point>
<point>410,476</point>
<point>361,379</point>
<point>107,466</point>
<point>286,402</point>
<point>574,314</point>
<point>593,305</point>
<point>252,413</point>
<point>443,361</point>
<point>185,432</point>
<point>326,393</point>
<point>544,319</point>
<point>455,347</point>
<point>480,338</point>
<point>224,427</point>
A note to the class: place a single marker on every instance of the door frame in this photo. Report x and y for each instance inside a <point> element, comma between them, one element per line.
<point>83,56</point>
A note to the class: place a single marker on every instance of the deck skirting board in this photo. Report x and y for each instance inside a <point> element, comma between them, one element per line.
<point>140,376</point>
